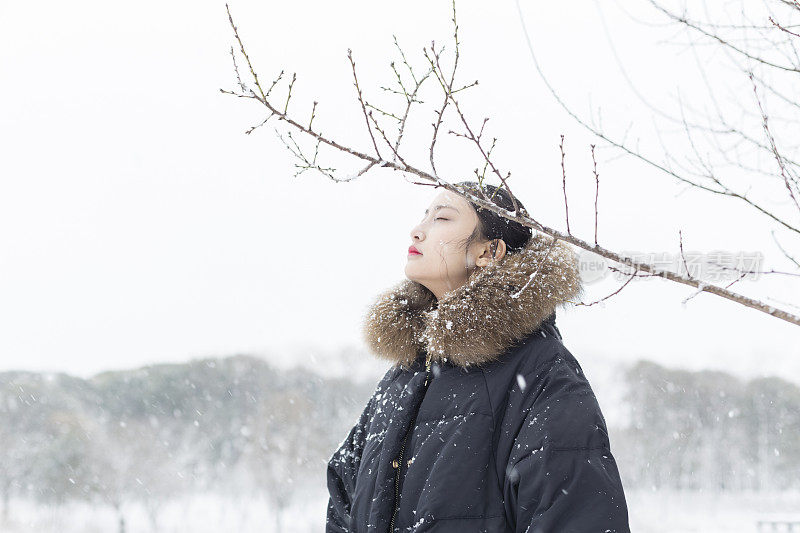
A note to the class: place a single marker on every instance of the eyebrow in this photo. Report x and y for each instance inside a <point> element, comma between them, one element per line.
<point>442,206</point>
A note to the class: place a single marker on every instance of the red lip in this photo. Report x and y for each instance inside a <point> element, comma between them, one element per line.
<point>413,251</point>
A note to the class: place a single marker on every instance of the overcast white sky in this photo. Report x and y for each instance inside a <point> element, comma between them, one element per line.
<point>139,224</point>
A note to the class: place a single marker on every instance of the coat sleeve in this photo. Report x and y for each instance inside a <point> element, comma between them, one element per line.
<point>560,473</point>
<point>343,464</point>
<point>342,473</point>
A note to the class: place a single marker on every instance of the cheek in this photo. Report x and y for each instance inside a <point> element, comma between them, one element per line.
<point>445,242</point>
<point>452,253</point>
<point>443,248</point>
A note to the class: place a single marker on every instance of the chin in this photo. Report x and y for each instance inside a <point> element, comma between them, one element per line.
<point>409,272</point>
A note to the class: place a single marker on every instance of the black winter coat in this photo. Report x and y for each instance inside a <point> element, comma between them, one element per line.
<point>486,423</point>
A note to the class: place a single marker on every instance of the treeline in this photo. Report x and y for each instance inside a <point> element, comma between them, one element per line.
<point>234,425</point>
<point>709,430</point>
<point>239,426</point>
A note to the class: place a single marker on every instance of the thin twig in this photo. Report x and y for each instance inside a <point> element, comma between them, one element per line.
<point>564,184</point>
<point>361,101</point>
<point>596,192</point>
<point>774,148</point>
<point>683,257</point>
<point>632,275</point>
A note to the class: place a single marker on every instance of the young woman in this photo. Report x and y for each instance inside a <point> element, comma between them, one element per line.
<point>486,422</point>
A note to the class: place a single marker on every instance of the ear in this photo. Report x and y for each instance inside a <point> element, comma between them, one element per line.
<point>498,246</point>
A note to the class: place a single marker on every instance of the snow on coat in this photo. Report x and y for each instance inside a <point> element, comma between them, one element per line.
<point>486,422</point>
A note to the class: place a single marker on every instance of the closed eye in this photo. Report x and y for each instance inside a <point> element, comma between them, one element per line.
<point>440,218</point>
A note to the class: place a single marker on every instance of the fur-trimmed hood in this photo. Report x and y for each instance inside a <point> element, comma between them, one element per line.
<point>474,324</point>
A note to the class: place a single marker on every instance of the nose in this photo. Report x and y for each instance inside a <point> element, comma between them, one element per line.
<point>416,233</point>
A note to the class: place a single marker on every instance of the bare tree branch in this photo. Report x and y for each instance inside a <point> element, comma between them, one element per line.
<point>361,101</point>
<point>596,192</point>
<point>720,189</point>
<point>774,148</point>
<point>431,178</point>
<point>697,27</point>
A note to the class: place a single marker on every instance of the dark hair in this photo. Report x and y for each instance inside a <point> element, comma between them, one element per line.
<point>491,225</point>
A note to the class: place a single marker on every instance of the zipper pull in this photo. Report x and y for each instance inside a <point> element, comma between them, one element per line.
<point>427,367</point>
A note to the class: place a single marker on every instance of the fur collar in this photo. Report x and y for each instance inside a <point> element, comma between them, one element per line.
<point>476,323</point>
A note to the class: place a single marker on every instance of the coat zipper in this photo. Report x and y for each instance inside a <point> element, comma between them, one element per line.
<point>402,450</point>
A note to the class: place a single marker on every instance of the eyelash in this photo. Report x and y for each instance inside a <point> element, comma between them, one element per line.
<point>440,218</point>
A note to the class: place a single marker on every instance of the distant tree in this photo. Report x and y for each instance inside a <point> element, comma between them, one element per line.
<point>16,462</point>
<point>279,450</point>
<point>707,430</point>
<point>62,464</point>
<point>772,414</point>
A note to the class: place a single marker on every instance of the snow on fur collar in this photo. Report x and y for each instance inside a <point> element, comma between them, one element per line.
<point>476,323</point>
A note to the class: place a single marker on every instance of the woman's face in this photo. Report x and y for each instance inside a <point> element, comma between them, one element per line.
<point>443,264</point>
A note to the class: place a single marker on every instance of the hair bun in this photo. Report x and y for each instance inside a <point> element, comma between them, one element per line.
<point>494,226</point>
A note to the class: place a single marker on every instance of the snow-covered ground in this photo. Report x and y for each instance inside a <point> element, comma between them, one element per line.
<point>650,512</point>
<point>708,512</point>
